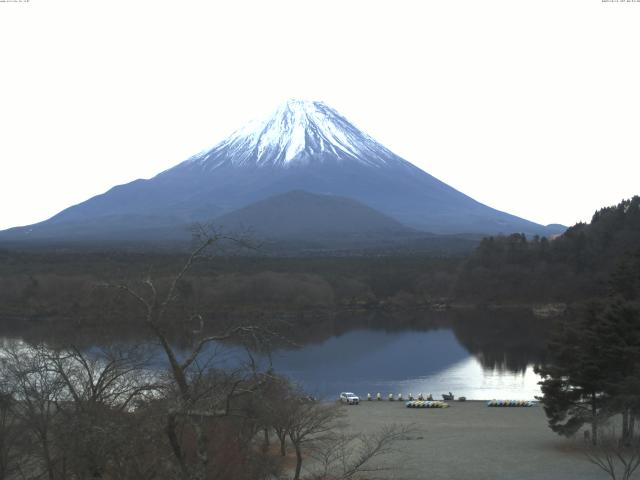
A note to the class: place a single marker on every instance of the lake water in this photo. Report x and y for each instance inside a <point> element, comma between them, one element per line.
<point>408,361</point>
<point>477,355</point>
<point>401,362</point>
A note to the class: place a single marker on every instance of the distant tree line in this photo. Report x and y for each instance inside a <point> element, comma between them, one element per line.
<point>62,287</point>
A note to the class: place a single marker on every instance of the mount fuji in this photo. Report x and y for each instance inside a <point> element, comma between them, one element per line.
<point>303,146</point>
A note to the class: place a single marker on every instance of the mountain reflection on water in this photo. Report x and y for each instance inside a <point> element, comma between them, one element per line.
<point>369,361</point>
<point>477,354</point>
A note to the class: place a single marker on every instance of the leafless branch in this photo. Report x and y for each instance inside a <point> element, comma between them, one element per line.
<point>619,460</point>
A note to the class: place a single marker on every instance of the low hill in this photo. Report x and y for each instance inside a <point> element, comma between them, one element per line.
<point>303,215</point>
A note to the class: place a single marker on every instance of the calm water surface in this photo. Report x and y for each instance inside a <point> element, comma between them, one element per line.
<point>482,357</point>
<point>409,361</point>
<point>406,362</point>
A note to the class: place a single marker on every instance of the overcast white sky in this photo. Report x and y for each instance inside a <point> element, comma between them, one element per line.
<point>532,107</point>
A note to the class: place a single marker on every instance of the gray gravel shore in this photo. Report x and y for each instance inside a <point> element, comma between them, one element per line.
<point>469,440</point>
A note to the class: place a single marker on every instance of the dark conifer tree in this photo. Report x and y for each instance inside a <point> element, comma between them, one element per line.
<point>574,380</point>
<point>594,361</point>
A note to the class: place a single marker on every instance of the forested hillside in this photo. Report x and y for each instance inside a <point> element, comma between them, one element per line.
<point>574,266</point>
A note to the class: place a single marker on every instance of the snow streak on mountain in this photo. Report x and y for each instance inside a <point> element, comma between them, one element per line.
<point>297,132</point>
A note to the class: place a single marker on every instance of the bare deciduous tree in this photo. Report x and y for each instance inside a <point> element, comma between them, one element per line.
<point>311,423</point>
<point>101,388</point>
<point>278,405</point>
<point>344,456</point>
<point>11,434</point>
<point>618,458</point>
<point>197,397</point>
<point>38,393</point>
<point>75,406</point>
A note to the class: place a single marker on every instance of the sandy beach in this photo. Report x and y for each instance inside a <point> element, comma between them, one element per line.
<point>469,440</point>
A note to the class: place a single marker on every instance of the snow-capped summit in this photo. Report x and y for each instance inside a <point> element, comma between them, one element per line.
<point>299,131</point>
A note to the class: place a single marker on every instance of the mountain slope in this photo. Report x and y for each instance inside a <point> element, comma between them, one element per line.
<point>302,146</point>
